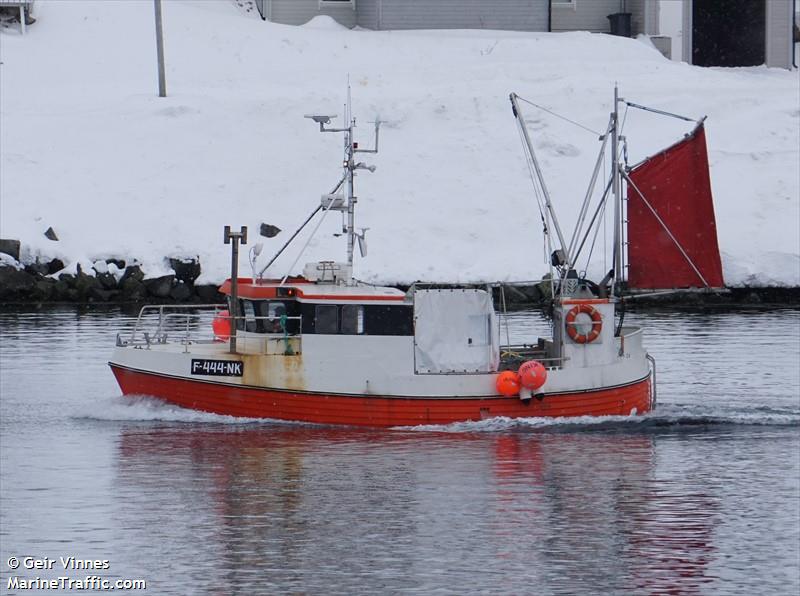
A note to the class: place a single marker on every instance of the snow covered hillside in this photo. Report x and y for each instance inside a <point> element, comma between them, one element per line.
<point>89,149</point>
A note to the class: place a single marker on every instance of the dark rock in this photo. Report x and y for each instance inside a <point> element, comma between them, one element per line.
<point>133,290</point>
<point>50,234</point>
<point>160,287</point>
<point>268,230</point>
<point>15,283</point>
<point>132,272</point>
<point>181,292</point>
<point>43,290</point>
<point>69,295</point>
<point>186,270</point>
<point>209,294</point>
<point>37,268</point>
<point>692,298</point>
<point>61,291</point>
<point>55,266</point>
<point>85,284</point>
<point>107,280</point>
<point>68,279</point>
<point>119,263</point>
<point>97,294</point>
<point>10,247</point>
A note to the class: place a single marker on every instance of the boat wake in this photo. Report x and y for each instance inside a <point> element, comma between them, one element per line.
<point>667,418</point>
<point>149,409</point>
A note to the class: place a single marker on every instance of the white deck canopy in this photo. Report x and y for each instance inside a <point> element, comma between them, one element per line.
<point>455,331</point>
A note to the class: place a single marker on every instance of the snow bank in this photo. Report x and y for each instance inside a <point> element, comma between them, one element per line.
<point>89,149</point>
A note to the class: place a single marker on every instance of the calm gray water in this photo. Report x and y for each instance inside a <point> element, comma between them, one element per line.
<point>702,497</point>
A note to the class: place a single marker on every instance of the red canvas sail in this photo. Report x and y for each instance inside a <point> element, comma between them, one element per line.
<point>680,250</point>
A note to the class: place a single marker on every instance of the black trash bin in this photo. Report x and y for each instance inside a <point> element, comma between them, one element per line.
<point>620,24</point>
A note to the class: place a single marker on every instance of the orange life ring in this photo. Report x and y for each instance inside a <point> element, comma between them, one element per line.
<point>597,324</point>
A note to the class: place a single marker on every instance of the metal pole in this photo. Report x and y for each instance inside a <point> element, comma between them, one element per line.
<point>585,206</point>
<point>233,238</point>
<point>616,193</point>
<point>351,200</point>
<point>162,78</point>
<point>548,203</point>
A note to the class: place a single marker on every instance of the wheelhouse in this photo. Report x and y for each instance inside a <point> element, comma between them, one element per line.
<point>310,309</point>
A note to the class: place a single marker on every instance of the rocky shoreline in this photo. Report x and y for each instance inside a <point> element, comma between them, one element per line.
<point>110,281</point>
<point>113,281</point>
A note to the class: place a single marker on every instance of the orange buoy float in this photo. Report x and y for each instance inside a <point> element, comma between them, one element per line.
<point>221,325</point>
<point>572,330</point>
<point>532,374</point>
<point>508,383</point>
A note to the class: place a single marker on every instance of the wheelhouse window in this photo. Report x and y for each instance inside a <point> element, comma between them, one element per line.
<point>353,319</point>
<point>357,319</point>
<point>272,317</point>
<point>262,316</point>
<point>326,318</point>
<point>247,322</point>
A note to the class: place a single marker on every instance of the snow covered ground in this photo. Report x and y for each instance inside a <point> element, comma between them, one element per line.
<point>89,149</point>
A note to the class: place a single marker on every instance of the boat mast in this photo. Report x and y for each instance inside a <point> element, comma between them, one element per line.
<point>348,183</point>
<point>615,187</point>
<point>548,204</point>
<point>350,166</point>
<point>333,201</point>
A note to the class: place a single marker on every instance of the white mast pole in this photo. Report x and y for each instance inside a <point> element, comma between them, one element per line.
<point>615,186</point>
<point>548,203</point>
<point>349,166</point>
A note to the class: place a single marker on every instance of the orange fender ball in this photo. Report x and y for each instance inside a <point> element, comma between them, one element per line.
<point>508,383</point>
<point>221,325</point>
<point>532,374</point>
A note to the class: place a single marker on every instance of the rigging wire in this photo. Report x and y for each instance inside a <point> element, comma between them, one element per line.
<point>655,111</point>
<point>605,222</point>
<point>545,227</point>
<point>505,314</point>
<point>624,118</point>
<point>311,237</point>
<point>600,209</point>
<point>578,124</point>
<point>596,231</point>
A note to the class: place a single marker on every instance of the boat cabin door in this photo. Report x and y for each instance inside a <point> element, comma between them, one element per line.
<point>455,331</point>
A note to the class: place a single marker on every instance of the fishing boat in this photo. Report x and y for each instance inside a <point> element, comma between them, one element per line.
<point>326,348</point>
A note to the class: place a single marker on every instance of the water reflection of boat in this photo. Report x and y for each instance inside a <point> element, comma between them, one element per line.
<point>326,348</point>
<point>341,505</point>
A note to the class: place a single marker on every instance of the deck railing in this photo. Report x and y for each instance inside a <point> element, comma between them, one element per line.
<point>192,324</point>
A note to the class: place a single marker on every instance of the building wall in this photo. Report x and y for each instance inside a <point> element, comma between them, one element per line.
<point>516,15</point>
<point>584,15</point>
<point>369,14</point>
<point>519,15</point>
<point>645,16</point>
<point>297,12</point>
<point>779,33</point>
<point>592,15</point>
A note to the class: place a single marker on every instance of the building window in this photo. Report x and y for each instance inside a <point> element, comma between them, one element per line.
<point>353,319</point>
<point>341,3</point>
<point>563,3</point>
<point>326,319</point>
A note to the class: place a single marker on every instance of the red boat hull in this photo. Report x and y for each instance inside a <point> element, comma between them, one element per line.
<point>252,402</point>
